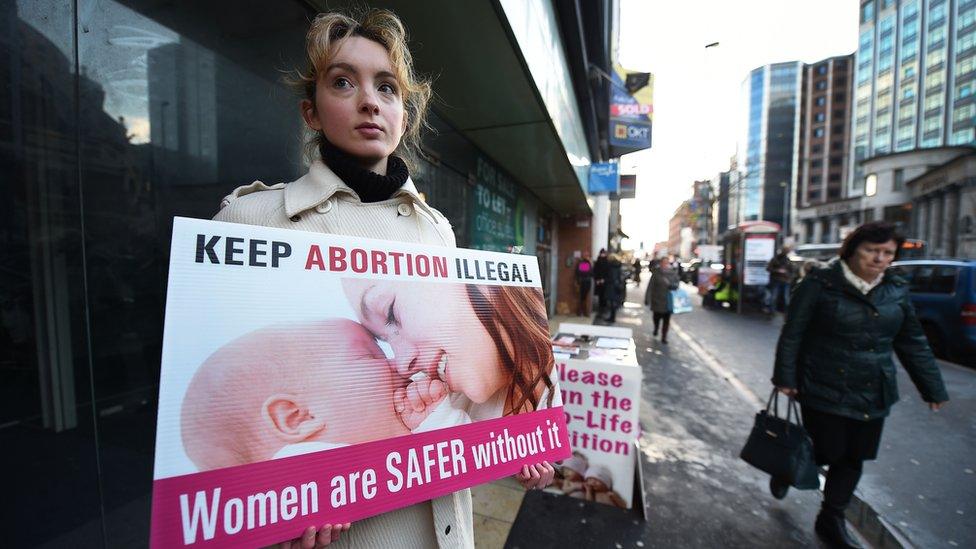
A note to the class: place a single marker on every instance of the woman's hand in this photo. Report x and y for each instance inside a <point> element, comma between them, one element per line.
<point>536,477</point>
<point>936,406</point>
<point>788,391</point>
<point>312,540</point>
<point>417,400</point>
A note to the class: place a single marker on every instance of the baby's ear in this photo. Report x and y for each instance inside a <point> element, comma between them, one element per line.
<point>290,419</point>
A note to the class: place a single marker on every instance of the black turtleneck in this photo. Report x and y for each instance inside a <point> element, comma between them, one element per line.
<point>370,186</point>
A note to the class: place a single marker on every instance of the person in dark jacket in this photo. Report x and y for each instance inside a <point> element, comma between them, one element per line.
<point>613,287</point>
<point>782,274</point>
<point>834,356</point>
<point>663,280</point>
<point>584,279</point>
<point>599,278</point>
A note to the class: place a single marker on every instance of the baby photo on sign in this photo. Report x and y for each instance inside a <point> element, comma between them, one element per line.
<point>415,357</point>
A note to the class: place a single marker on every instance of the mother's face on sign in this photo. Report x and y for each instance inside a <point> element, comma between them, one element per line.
<point>432,328</point>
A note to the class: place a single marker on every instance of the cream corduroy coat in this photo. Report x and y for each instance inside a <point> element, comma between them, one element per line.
<point>320,202</point>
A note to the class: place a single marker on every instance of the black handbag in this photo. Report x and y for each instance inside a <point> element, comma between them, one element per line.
<point>782,448</point>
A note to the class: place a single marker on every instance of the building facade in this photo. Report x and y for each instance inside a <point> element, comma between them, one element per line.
<point>944,207</point>
<point>915,78</point>
<point>823,145</point>
<point>767,152</point>
<point>117,116</point>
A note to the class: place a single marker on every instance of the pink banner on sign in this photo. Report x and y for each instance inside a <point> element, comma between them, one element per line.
<point>271,501</point>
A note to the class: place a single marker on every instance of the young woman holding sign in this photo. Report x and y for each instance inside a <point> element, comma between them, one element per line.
<point>366,108</point>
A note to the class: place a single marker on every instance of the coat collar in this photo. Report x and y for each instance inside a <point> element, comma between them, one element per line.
<point>833,275</point>
<point>321,184</point>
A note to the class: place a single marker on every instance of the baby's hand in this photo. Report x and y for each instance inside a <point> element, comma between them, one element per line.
<point>417,400</point>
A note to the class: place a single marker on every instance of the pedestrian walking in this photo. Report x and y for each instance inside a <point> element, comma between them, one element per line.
<point>782,274</point>
<point>664,279</point>
<point>599,278</point>
<point>614,286</point>
<point>834,356</point>
<point>637,269</point>
<point>584,281</point>
<point>365,107</point>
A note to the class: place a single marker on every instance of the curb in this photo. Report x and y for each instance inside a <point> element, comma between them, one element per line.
<point>873,528</point>
<point>870,525</point>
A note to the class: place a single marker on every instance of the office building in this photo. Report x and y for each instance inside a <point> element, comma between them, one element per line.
<point>823,147</point>
<point>767,149</point>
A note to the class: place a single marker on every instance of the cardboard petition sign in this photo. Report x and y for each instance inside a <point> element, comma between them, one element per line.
<point>310,378</point>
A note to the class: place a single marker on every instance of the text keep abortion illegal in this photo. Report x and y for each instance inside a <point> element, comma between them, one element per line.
<point>229,250</point>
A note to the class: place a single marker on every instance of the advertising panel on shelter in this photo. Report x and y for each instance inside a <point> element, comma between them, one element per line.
<point>631,110</point>
<point>309,378</point>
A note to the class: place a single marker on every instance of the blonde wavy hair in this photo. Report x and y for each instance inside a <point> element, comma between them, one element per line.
<point>327,32</point>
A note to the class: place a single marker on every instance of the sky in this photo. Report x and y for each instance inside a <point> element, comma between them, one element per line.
<point>698,104</point>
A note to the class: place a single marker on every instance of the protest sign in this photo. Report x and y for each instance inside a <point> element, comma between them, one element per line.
<point>309,378</point>
<point>601,397</point>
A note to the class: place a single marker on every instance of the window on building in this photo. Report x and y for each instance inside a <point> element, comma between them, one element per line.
<point>815,164</point>
<point>931,124</point>
<point>935,57</point>
<point>909,9</point>
<point>839,98</point>
<point>934,80</point>
<point>906,132</point>
<point>818,132</point>
<point>936,37</point>
<point>937,14</point>
<point>867,12</point>
<point>963,137</point>
<point>833,192</point>
<point>837,146</point>
<point>886,25</point>
<point>820,101</point>
<point>965,66</point>
<point>819,117</point>
<point>908,92</point>
<point>871,184</point>
<point>909,49</point>
<point>934,101</point>
<point>836,161</point>
<point>964,90</point>
<point>964,114</point>
<point>822,85</point>
<point>899,180</point>
<point>967,17</point>
<point>965,43</point>
<point>908,71</point>
<point>816,149</point>
<point>822,69</point>
<point>834,178</point>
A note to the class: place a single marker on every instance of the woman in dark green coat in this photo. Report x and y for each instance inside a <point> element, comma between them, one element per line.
<point>834,356</point>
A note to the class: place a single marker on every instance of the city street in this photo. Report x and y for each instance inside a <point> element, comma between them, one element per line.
<point>699,397</point>
<point>923,480</point>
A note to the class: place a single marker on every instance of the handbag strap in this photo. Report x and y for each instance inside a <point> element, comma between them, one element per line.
<point>792,409</point>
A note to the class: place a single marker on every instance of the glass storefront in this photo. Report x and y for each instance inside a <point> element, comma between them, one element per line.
<point>116,116</point>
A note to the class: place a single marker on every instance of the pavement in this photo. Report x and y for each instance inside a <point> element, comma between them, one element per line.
<point>922,486</point>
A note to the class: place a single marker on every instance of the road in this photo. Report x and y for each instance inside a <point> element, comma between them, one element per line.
<point>923,482</point>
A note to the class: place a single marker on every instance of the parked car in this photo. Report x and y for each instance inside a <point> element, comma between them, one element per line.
<point>944,294</point>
